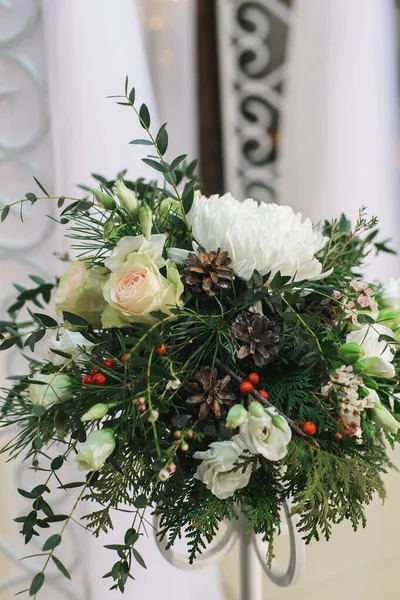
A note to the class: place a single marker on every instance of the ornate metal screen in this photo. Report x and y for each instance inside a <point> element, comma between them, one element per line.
<point>252,40</point>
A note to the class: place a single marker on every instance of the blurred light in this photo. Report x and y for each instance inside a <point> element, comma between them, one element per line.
<point>165,57</point>
<point>156,22</point>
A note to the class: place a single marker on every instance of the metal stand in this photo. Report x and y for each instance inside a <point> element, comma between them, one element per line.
<point>252,556</point>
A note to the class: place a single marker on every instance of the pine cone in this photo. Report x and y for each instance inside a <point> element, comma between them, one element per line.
<point>260,337</point>
<point>212,394</point>
<point>208,272</point>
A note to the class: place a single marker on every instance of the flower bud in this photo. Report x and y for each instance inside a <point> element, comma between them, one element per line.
<point>383,418</point>
<point>163,475</point>
<point>256,409</point>
<point>371,383</point>
<point>378,367</point>
<point>154,414</point>
<point>350,352</point>
<point>126,196</point>
<point>236,416</point>
<point>98,411</point>
<point>46,390</point>
<point>280,423</point>
<point>146,220</point>
<point>358,367</point>
<point>95,451</point>
<point>105,199</point>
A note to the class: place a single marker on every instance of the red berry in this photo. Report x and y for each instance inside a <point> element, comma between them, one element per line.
<point>171,468</point>
<point>246,387</point>
<point>94,372</point>
<point>309,428</point>
<point>177,435</point>
<point>263,393</point>
<point>87,380</point>
<point>338,436</point>
<point>161,350</point>
<point>99,379</point>
<point>189,435</point>
<point>254,378</point>
<point>142,407</point>
<point>354,425</point>
<point>109,363</point>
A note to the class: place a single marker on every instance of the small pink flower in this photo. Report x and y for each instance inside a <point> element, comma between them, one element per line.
<point>357,286</point>
<point>363,301</point>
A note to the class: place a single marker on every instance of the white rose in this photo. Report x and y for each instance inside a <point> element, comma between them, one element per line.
<point>58,389</point>
<point>129,245</point>
<point>260,436</point>
<point>274,238</point>
<point>95,451</point>
<point>215,471</point>
<point>378,354</point>
<point>71,342</point>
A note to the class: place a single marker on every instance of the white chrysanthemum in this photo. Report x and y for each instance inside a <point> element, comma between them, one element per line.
<point>265,237</point>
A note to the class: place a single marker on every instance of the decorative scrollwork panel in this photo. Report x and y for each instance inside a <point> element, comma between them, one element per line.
<point>252,40</point>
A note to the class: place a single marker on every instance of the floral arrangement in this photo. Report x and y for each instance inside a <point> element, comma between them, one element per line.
<point>207,357</point>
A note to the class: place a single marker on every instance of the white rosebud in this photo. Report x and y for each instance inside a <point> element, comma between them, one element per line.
<point>126,196</point>
<point>383,418</point>
<point>216,469</point>
<point>154,414</point>
<point>256,409</point>
<point>146,220</point>
<point>58,389</point>
<point>163,475</point>
<point>98,411</point>
<point>95,451</point>
<point>173,384</point>
<point>71,342</point>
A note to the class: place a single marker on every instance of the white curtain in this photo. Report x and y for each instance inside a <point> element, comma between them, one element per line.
<point>91,46</point>
<point>340,125</point>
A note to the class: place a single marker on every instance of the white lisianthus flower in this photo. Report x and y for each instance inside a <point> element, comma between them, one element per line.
<point>265,237</point>
<point>129,245</point>
<point>378,354</point>
<point>95,451</point>
<point>215,471</point>
<point>260,436</point>
<point>71,342</point>
<point>58,389</point>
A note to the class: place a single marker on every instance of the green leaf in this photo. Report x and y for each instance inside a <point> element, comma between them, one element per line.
<point>155,165</point>
<point>75,319</point>
<point>126,85</point>
<point>116,547</point>
<point>56,518</point>
<point>60,201</point>
<point>35,337</point>
<point>144,116</point>
<point>31,197</point>
<point>52,542</point>
<point>45,320</point>
<point>162,139</point>
<point>39,411</point>
<point>37,443</point>
<point>70,486</point>
<point>38,280</point>
<point>132,95</point>
<point>61,353</point>
<point>141,501</point>
<point>177,161</point>
<point>39,490</point>
<point>41,186</point>
<point>25,494</point>
<point>37,583</point>
<point>140,142</point>
<point>8,343</point>
<point>187,201</point>
<point>131,537</point>
<point>60,566</point>
<point>4,212</point>
<point>57,463</point>
<point>139,558</point>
